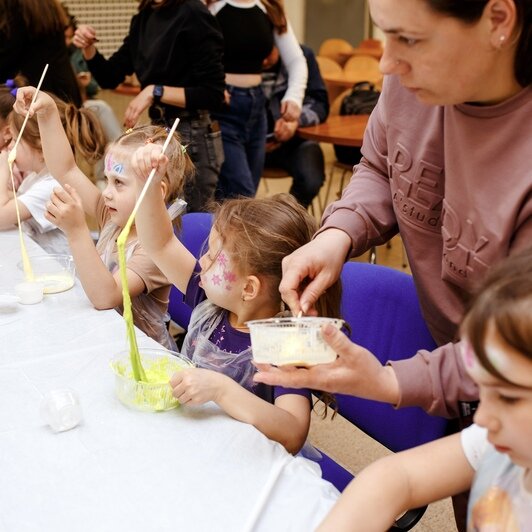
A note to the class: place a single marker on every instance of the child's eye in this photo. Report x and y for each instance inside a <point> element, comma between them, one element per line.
<point>508,400</point>
<point>407,40</point>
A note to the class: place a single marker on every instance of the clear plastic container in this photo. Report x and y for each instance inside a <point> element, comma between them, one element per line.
<point>153,396</point>
<point>291,341</point>
<point>56,272</point>
<point>61,409</point>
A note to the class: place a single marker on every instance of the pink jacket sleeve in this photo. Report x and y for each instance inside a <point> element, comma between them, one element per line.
<point>435,380</point>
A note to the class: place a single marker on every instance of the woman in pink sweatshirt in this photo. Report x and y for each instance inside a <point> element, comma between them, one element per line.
<point>446,163</point>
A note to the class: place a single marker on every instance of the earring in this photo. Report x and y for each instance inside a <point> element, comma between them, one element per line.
<point>243,297</point>
<point>502,38</point>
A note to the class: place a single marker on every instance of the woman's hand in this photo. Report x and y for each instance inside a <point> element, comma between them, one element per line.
<point>140,103</point>
<point>43,104</point>
<point>65,210</point>
<point>196,386</point>
<point>145,159</point>
<point>290,111</point>
<point>317,265</point>
<point>356,372</point>
<point>84,38</point>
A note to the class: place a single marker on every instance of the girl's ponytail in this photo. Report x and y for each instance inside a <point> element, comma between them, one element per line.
<point>83,131</point>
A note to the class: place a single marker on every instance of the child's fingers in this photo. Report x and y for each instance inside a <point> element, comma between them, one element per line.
<point>61,195</point>
<point>23,100</point>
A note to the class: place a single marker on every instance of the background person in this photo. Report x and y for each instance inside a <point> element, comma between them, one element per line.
<point>302,159</point>
<point>175,48</point>
<point>31,35</point>
<point>251,28</point>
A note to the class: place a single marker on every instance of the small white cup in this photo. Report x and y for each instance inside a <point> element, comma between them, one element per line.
<point>61,409</point>
<point>29,292</point>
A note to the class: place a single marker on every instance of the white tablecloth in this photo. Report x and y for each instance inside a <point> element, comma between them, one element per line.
<point>190,469</point>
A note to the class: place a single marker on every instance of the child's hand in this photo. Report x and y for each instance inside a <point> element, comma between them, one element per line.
<point>196,386</point>
<point>42,104</point>
<point>66,210</point>
<point>145,159</point>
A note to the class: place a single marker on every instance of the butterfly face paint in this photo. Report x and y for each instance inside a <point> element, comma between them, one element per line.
<point>219,278</point>
<point>113,166</point>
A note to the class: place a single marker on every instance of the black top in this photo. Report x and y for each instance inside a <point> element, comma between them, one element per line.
<point>22,53</point>
<point>178,46</point>
<point>248,35</point>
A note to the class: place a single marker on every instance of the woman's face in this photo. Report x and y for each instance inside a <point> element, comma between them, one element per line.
<point>440,58</point>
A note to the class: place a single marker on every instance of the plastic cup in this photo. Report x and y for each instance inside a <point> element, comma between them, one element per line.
<point>29,293</point>
<point>61,409</point>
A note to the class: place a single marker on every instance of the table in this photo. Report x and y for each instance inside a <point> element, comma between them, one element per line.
<point>346,130</point>
<point>192,469</point>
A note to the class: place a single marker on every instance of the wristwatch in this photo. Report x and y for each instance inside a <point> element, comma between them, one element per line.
<point>158,91</point>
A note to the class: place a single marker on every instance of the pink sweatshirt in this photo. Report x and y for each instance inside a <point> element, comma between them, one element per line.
<point>456,181</point>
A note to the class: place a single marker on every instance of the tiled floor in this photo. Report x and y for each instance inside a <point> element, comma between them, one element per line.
<point>341,440</point>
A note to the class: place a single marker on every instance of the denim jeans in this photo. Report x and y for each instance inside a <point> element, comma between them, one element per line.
<point>203,141</point>
<point>303,160</point>
<point>243,125</point>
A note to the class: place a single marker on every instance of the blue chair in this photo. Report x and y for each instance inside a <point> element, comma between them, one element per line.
<point>194,234</point>
<point>380,305</point>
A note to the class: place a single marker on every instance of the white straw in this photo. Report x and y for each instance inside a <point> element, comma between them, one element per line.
<point>259,505</point>
<point>28,113</point>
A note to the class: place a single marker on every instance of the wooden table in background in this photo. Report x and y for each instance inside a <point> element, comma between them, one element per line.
<point>347,130</point>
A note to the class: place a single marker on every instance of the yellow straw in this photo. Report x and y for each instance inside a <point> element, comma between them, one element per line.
<point>136,365</point>
<point>28,272</point>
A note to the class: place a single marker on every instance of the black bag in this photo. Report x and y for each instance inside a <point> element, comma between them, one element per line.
<point>361,101</point>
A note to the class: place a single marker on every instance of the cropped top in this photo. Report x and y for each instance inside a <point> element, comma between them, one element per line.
<point>249,36</point>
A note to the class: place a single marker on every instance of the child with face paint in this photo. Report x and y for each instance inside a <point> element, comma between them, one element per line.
<point>493,457</point>
<point>34,180</point>
<point>97,265</point>
<point>236,280</point>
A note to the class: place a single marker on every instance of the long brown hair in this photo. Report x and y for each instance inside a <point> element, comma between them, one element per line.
<point>180,166</point>
<point>40,17</point>
<point>82,129</point>
<point>504,300</point>
<point>259,233</point>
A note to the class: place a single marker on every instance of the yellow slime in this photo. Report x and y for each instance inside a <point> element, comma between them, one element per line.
<point>28,272</point>
<point>136,365</point>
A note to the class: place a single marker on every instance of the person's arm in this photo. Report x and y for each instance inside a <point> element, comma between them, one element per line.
<point>154,227</point>
<point>398,482</point>
<point>103,288</point>
<point>436,381</point>
<point>287,421</point>
<point>296,66</point>
<point>57,151</point>
<point>109,72</point>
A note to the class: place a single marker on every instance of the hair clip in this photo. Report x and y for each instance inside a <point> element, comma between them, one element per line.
<point>128,131</point>
<point>183,149</point>
<point>149,140</point>
<point>10,84</point>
